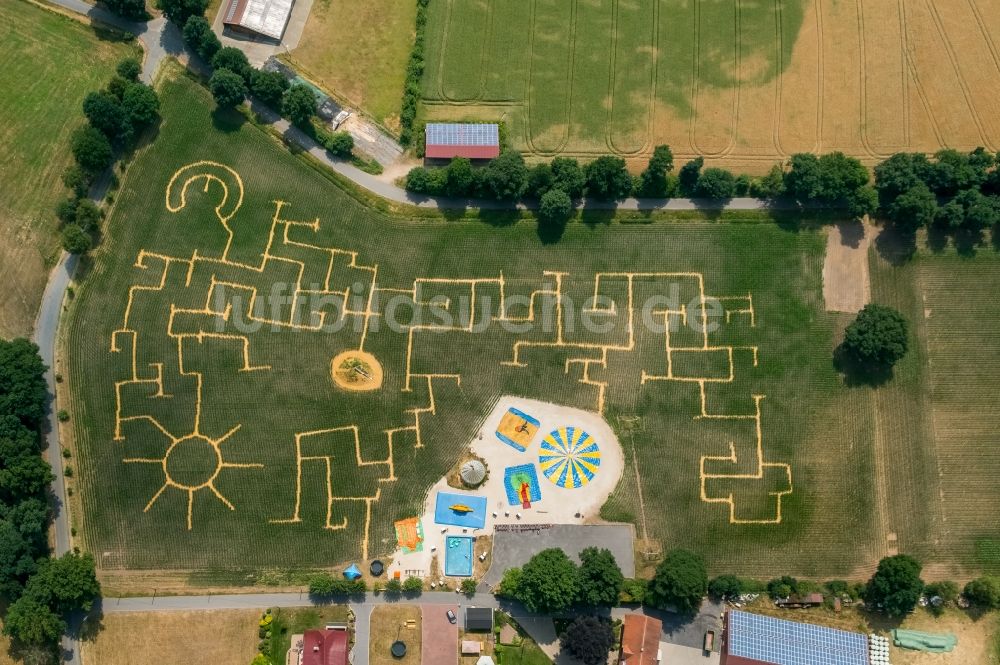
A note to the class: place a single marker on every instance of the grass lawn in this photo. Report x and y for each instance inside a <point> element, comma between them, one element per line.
<point>224,637</point>
<point>297,620</point>
<point>51,63</point>
<point>938,419</point>
<point>161,397</point>
<point>528,653</point>
<point>358,49</point>
<point>388,624</point>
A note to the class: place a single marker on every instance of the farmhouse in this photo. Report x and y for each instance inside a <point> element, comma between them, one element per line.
<point>258,17</point>
<point>640,640</point>
<point>752,639</point>
<point>470,140</point>
<point>324,647</point>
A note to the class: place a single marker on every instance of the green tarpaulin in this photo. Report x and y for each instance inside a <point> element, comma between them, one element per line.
<point>930,642</point>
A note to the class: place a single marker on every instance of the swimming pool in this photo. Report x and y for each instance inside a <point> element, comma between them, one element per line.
<point>471,511</point>
<point>458,556</point>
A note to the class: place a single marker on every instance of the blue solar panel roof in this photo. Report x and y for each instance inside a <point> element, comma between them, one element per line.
<point>790,643</point>
<point>462,134</point>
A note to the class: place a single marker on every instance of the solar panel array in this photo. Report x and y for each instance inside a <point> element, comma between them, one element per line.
<point>783,642</point>
<point>462,134</point>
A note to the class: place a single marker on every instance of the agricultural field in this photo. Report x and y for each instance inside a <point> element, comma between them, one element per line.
<point>51,63</point>
<point>743,83</point>
<point>937,429</point>
<point>216,426</point>
<point>358,50</point>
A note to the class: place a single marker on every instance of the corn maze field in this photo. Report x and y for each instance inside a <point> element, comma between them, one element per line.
<point>742,82</point>
<point>240,399</point>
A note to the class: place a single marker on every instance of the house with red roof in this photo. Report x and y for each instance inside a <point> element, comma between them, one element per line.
<point>640,640</point>
<point>325,647</point>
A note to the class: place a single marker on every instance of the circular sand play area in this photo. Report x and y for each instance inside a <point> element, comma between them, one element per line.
<point>356,370</point>
<point>549,465</point>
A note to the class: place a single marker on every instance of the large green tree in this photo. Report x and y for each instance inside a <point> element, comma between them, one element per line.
<point>67,584</point>
<point>896,586</point>
<point>105,113</point>
<point>608,179</point>
<point>915,208</point>
<point>681,582</point>
<point>568,176</point>
<point>877,338</point>
<point>233,59</point>
<point>299,104</point>
<point>600,578</point>
<point>548,582</point>
<point>228,88</point>
<point>140,105</point>
<point>460,178</point>
<point>589,639</point>
<point>688,176</point>
<point>31,621</point>
<point>23,393</point>
<point>984,592</point>
<point>198,35</point>
<point>653,180</point>
<point>179,11</point>
<point>716,184</point>
<point>92,150</point>
<point>268,87</point>
<point>133,9</point>
<point>506,177</point>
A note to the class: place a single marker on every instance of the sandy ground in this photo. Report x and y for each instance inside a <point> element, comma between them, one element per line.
<point>558,505</point>
<point>975,639</point>
<point>205,638</point>
<point>846,283</point>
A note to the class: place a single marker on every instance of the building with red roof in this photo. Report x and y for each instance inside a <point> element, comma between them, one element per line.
<point>640,640</point>
<point>324,647</point>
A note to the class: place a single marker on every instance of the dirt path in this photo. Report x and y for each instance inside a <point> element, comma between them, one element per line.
<point>846,283</point>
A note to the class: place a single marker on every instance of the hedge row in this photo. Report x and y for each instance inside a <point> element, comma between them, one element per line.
<point>414,73</point>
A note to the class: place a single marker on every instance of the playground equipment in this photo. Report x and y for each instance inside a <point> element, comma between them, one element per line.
<point>569,457</point>
<point>352,572</point>
<point>517,429</point>
<point>521,485</point>
<point>460,508</point>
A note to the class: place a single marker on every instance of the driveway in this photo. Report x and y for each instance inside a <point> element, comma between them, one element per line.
<point>514,548</point>
<point>439,636</point>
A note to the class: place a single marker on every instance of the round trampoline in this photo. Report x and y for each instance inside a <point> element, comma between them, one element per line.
<point>398,649</point>
<point>376,568</point>
<point>569,457</point>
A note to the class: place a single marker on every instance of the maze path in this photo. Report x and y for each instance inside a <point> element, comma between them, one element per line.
<point>233,289</point>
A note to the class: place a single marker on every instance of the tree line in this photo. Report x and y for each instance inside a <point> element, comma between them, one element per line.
<point>39,591</point>
<point>116,116</point>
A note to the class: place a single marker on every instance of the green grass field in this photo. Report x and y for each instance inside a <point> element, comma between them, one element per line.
<point>51,63</point>
<point>938,420</point>
<point>589,76</point>
<point>181,369</point>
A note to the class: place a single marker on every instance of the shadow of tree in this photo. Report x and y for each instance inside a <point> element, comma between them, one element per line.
<point>857,373</point>
<point>896,245</point>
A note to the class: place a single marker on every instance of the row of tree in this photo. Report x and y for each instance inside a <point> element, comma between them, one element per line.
<point>116,116</point>
<point>830,179</point>
<point>39,592</point>
<point>550,582</point>
<point>951,191</point>
<point>234,79</point>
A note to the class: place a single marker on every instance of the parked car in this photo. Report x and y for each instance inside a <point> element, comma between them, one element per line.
<point>451,616</point>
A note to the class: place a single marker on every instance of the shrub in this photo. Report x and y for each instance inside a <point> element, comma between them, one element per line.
<point>393,586</point>
<point>129,69</point>
<point>66,210</point>
<point>984,592</point>
<point>771,186</point>
<point>782,587</point>
<point>413,585</point>
<point>105,113</point>
<point>63,415</point>
<point>633,591</point>
<point>228,88</point>
<point>76,180</point>
<point>459,178</point>
<point>140,105</point>
<point>341,144</point>
<point>418,180</point>
<point>133,9</point>
<point>687,177</point>
<point>725,587</point>
<point>75,240</point>
<point>88,215</point>
<point>468,587</point>
<point>568,176</point>
<point>540,180</point>
<point>506,177</point>
<point>179,11</point>
<point>653,181</point>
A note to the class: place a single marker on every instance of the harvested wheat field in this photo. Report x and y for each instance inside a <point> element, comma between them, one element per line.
<point>225,637</point>
<point>742,82</point>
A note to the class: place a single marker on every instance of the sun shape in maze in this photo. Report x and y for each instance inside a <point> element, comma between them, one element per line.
<point>192,463</point>
<point>569,457</point>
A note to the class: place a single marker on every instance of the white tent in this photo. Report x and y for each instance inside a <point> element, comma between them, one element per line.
<point>472,472</point>
<point>485,660</point>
